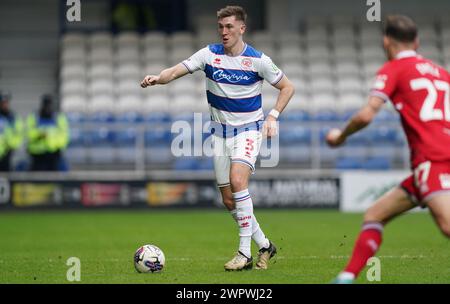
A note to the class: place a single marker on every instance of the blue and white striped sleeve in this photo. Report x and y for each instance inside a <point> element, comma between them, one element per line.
<point>269,71</point>
<point>197,61</point>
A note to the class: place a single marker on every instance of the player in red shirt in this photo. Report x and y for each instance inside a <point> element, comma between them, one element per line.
<point>420,91</point>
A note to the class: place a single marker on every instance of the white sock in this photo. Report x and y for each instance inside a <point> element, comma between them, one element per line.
<point>257,234</point>
<point>344,275</point>
<point>244,215</point>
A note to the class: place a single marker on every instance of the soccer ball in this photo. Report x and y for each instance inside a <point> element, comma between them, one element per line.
<point>149,258</point>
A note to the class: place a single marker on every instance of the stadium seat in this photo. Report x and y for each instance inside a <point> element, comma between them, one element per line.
<point>157,118</point>
<point>154,38</point>
<point>101,148</point>
<point>290,135</point>
<point>73,55</point>
<point>156,54</point>
<point>349,163</point>
<point>73,87</point>
<point>186,163</point>
<point>287,39</point>
<point>73,71</point>
<point>100,86</point>
<point>290,54</point>
<point>206,163</point>
<point>325,116</point>
<point>377,163</point>
<point>127,39</point>
<point>73,39</point>
<point>125,145</point>
<point>295,116</point>
<point>75,118</point>
<point>100,40</point>
<point>102,103</point>
<point>101,54</point>
<point>101,71</point>
<point>73,104</point>
<point>129,103</point>
<point>158,136</point>
<point>383,135</point>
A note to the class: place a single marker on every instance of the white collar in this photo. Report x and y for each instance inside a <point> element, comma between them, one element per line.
<point>406,54</point>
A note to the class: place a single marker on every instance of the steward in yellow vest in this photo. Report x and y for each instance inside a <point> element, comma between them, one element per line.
<point>48,137</point>
<point>11,133</point>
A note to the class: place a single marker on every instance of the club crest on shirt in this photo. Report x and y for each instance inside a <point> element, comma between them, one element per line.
<point>445,180</point>
<point>380,82</point>
<point>247,63</point>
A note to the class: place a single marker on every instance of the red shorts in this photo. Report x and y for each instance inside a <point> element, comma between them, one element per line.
<point>428,179</point>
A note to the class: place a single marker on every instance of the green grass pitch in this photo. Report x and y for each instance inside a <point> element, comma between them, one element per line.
<point>313,246</point>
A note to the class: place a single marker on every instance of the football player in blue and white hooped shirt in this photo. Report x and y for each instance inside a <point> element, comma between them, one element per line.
<point>234,76</point>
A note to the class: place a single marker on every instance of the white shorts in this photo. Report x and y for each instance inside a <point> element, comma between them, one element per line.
<point>242,148</point>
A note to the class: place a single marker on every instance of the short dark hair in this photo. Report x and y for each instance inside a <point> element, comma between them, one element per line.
<point>232,10</point>
<point>400,28</point>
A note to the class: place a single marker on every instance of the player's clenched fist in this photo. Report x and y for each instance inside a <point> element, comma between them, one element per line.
<point>270,127</point>
<point>334,138</point>
<point>149,80</point>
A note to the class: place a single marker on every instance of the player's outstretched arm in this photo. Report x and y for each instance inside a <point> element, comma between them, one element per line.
<point>360,120</point>
<point>165,76</point>
<point>287,90</point>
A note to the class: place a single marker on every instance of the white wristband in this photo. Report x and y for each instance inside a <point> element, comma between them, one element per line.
<point>274,113</point>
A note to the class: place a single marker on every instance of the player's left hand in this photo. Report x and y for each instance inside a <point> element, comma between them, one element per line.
<point>270,127</point>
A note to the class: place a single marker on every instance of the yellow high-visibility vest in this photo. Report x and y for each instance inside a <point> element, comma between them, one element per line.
<point>47,135</point>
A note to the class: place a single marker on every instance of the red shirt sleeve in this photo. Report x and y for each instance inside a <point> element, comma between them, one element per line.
<point>385,82</point>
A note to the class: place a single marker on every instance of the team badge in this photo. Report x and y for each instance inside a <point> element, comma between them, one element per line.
<point>247,63</point>
<point>380,82</point>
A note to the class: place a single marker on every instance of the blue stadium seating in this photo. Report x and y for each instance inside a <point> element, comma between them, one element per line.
<point>129,117</point>
<point>383,135</point>
<point>102,117</point>
<point>377,163</point>
<point>295,116</point>
<point>186,163</point>
<point>325,116</point>
<point>157,117</point>
<point>206,163</point>
<point>349,163</point>
<point>126,137</point>
<point>295,134</point>
<point>75,117</point>
<point>77,138</point>
<point>158,136</point>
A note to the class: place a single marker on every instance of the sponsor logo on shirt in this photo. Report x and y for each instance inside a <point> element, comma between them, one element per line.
<point>230,77</point>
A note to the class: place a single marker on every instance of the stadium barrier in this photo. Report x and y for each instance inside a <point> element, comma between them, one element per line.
<point>348,191</point>
<point>269,188</point>
<point>360,189</point>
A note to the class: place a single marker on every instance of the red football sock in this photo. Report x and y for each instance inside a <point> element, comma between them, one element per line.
<point>366,246</point>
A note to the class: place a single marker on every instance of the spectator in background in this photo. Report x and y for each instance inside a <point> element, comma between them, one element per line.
<point>11,136</point>
<point>48,136</point>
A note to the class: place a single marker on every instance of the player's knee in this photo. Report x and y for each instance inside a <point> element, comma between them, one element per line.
<point>238,182</point>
